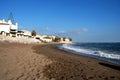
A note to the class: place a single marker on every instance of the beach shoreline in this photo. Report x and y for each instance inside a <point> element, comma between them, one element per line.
<point>47,62</point>
<point>75,67</point>
<point>75,53</point>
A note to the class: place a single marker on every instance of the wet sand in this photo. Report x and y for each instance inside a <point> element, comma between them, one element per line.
<point>46,62</point>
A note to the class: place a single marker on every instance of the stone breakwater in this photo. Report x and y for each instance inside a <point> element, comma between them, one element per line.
<point>19,40</point>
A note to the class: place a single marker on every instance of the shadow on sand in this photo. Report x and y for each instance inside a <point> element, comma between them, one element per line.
<point>116,67</point>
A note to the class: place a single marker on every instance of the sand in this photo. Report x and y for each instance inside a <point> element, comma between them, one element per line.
<point>19,62</point>
<point>46,62</point>
<point>66,66</point>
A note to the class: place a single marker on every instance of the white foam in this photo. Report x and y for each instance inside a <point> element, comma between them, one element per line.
<point>91,52</point>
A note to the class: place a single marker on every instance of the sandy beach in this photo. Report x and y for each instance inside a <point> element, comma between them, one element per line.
<point>46,62</point>
<point>19,62</point>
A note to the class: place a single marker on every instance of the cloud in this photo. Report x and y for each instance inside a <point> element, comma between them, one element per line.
<point>75,32</point>
<point>62,32</point>
<point>46,29</point>
<point>84,29</point>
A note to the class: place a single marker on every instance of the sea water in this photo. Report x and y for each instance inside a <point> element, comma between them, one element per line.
<point>105,51</point>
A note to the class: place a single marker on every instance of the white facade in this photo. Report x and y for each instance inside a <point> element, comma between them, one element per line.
<point>47,40</point>
<point>4,27</point>
<point>66,40</point>
<point>44,38</point>
<point>26,33</point>
<point>8,27</point>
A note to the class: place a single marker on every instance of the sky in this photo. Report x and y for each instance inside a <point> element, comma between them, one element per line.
<point>82,20</point>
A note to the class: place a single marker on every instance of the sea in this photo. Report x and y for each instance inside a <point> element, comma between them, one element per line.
<point>109,52</point>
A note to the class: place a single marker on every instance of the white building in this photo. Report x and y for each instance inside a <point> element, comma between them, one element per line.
<point>44,38</point>
<point>8,28</point>
<point>26,33</point>
<point>47,40</point>
<point>20,34</point>
<point>65,40</point>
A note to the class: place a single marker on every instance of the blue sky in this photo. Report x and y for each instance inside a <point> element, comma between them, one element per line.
<point>82,20</point>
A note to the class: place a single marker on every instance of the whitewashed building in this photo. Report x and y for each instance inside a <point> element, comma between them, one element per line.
<point>65,40</point>
<point>44,38</point>
<point>8,28</point>
<point>26,33</point>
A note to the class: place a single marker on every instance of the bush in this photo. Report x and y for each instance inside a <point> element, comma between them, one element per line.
<point>33,33</point>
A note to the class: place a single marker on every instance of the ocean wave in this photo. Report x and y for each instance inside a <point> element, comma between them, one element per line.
<point>91,52</point>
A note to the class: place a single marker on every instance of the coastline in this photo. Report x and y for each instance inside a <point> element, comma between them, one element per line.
<point>47,62</point>
<point>106,63</point>
<point>75,67</point>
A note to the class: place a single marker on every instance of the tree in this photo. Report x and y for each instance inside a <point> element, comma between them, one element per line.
<point>33,33</point>
<point>70,39</point>
<point>64,39</point>
<point>57,39</point>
